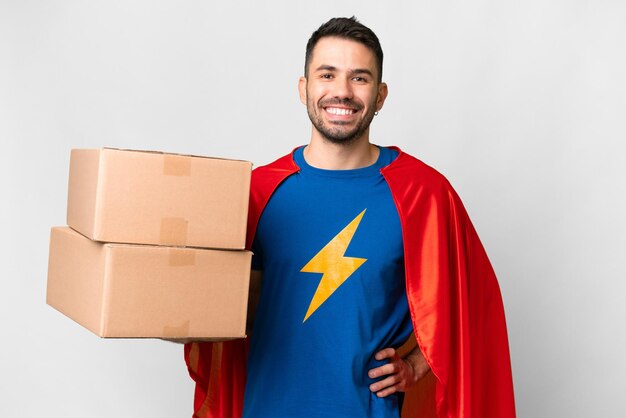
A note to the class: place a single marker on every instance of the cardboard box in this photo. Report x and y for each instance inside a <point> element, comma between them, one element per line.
<point>156,198</point>
<point>140,291</point>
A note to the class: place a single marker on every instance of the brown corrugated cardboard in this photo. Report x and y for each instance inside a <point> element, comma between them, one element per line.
<point>156,198</point>
<point>143,291</point>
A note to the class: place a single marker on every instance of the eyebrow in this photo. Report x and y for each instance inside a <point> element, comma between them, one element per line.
<point>354,71</point>
<point>326,68</point>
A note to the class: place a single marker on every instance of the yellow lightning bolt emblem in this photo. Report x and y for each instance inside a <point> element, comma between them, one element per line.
<point>335,267</point>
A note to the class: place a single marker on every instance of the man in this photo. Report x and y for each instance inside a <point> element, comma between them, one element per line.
<point>357,248</point>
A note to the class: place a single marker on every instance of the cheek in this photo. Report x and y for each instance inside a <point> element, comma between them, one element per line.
<point>315,93</point>
<point>369,96</point>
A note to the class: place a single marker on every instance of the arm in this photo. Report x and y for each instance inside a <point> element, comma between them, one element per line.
<point>401,373</point>
<point>256,277</point>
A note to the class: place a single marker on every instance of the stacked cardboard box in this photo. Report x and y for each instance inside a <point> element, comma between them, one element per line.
<point>154,247</point>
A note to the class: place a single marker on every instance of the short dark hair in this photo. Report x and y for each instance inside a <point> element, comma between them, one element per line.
<point>346,28</point>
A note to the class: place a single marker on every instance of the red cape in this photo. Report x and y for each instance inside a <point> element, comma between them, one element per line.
<point>453,295</point>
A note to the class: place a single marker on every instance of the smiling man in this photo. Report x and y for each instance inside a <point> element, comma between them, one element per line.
<point>343,97</point>
<point>358,248</point>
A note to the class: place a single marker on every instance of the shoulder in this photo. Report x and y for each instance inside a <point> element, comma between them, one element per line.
<point>422,193</point>
<point>265,179</point>
<point>408,171</point>
<point>282,165</point>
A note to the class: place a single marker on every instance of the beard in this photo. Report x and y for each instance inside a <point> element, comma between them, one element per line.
<point>338,132</point>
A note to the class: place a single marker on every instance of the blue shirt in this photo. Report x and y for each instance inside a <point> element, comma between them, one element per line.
<point>329,243</point>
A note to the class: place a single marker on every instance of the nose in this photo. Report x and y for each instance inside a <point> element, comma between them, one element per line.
<point>342,88</point>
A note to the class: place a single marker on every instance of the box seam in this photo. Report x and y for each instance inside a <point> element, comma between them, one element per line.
<point>97,227</point>
<point>104,309</point>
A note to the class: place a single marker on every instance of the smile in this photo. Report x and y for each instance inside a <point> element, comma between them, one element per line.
<point>339,111</point>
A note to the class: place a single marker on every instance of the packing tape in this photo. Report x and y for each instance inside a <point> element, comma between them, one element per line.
<point>179,257</point>
<point>176,165</point>
<point>173,231</point>
<point>181,331</point>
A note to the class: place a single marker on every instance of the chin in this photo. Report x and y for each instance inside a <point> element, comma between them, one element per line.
<point>343,140</point>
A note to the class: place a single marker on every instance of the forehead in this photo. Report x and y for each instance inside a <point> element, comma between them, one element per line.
<point>344,54</point>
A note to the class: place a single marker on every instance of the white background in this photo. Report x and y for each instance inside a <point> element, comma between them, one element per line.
<point>521,105</point>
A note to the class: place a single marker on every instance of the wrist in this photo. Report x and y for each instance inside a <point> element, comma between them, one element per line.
<point>417,363</point>
<point>410,361</point>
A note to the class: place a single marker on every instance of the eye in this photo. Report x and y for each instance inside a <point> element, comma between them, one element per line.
<point>359,79</point>
<point>326,76</point>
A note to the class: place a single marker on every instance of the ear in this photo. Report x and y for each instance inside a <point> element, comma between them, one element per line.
<point>302,89</point>
<point>382,95</point>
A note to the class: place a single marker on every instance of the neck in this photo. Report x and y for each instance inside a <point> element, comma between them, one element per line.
<point>321,153</point>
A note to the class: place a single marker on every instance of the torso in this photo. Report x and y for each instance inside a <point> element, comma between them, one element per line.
<point>311,348</point>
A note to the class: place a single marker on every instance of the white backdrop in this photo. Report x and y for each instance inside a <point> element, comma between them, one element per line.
<point>521,105</point>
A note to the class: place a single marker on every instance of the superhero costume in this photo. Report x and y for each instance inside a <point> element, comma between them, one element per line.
<point>329,245</point>
<point>453,296</point>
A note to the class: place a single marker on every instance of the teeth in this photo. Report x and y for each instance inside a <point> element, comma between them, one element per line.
<point>339,111</point>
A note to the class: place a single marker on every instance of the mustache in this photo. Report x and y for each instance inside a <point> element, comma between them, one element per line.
<point>342,102</point>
